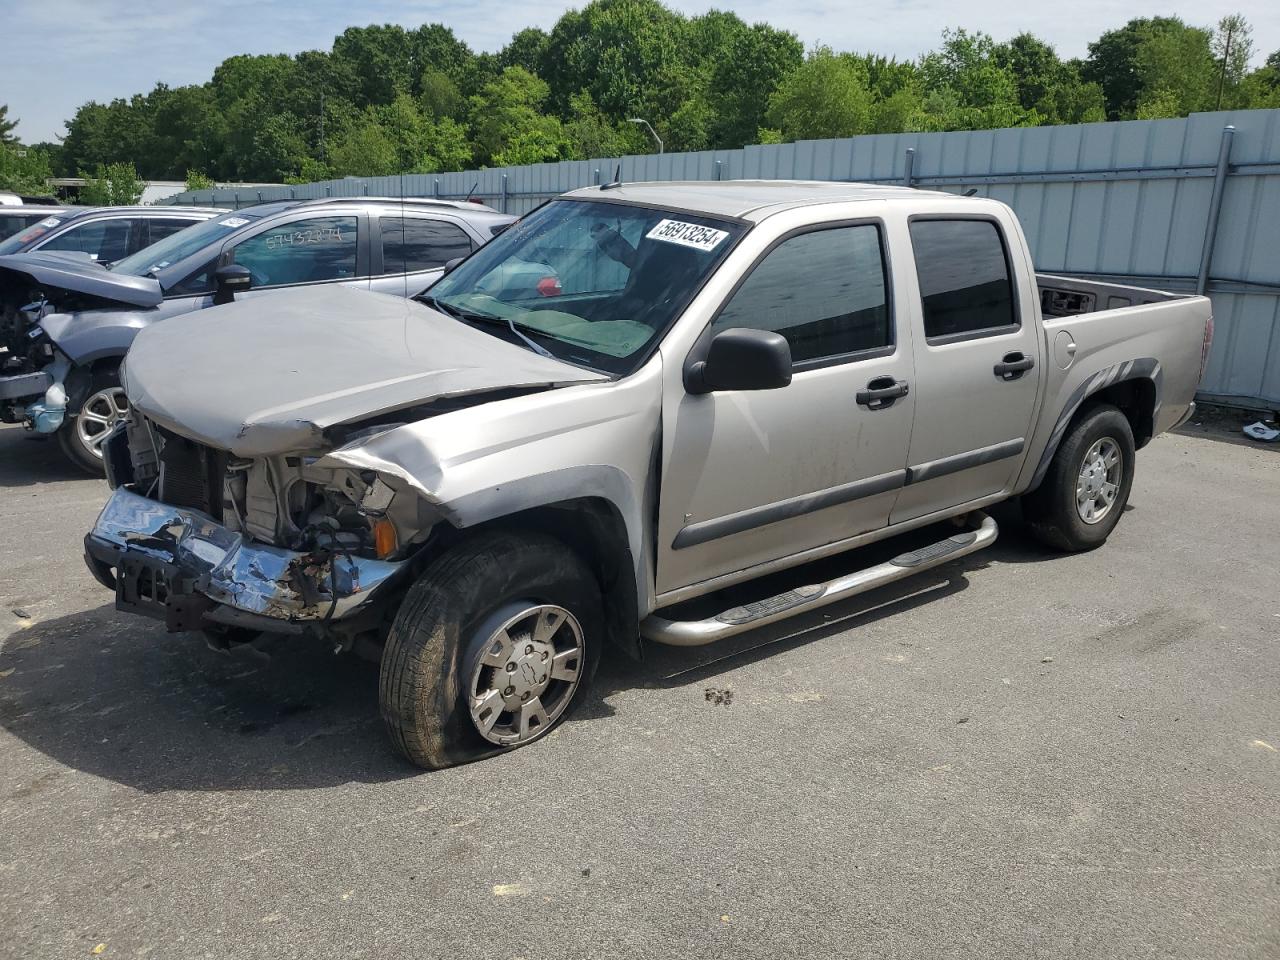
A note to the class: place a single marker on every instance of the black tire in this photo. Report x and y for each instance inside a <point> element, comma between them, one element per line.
<point>105,378</point>
<point>442,627</point>
<point>1051,511</point>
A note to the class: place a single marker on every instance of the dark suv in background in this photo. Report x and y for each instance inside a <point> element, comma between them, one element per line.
<point>67,324</point>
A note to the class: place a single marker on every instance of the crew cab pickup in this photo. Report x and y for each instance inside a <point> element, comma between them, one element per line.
<point>512,476</point>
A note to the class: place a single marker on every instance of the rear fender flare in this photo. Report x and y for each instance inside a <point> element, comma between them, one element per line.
<point>1143,368</point>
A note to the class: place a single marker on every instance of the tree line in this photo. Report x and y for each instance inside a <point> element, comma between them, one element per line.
<point>388,100</point>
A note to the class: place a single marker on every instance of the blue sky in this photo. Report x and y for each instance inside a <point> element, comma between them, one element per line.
<point>60,53</point>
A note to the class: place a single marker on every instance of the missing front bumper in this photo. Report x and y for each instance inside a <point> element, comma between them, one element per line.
<point>180,566</point>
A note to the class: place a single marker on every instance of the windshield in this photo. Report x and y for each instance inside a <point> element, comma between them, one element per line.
<point>592,282</point>
<point>19,241</point>
<point>179,246</point>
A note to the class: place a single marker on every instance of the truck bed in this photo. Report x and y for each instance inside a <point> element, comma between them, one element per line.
<point>1068,297</point>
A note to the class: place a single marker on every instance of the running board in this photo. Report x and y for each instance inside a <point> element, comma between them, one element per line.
<point>695,633</point>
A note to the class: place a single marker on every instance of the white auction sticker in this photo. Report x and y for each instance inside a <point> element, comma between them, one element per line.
<point>687,234</point>
<point>233,222</point>
<point>50,222</point>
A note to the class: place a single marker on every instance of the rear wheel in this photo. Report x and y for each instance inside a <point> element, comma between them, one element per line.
<point>1087,486</point>
<point>81,436</point>
<point>490,649</point>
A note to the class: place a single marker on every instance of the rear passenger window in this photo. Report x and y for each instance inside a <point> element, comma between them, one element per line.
<point>964,278</point>
<point>824,291</point>
<point>414,243</point>
<point>167,226</point>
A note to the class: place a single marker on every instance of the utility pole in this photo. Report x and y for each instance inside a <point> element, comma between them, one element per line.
<point>1226,55</point>
<point>323,158</point>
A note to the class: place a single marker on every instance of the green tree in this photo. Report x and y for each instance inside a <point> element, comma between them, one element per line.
<point>507,125</point>
<point>968,87</point>
<point>112,185</point>
<point>589,133</point>
<point>1047,85</point>
<point>748,68</point>
<point>6,126</point>
<point>24,171</point>
<point>827,96</point>
<point>198,181</point>
<point>1176,70</point>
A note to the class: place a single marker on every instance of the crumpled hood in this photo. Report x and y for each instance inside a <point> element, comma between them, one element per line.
<point>270,373</point>
<point>50,272</point>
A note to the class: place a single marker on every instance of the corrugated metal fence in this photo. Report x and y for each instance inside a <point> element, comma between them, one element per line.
<point>1176,204</point>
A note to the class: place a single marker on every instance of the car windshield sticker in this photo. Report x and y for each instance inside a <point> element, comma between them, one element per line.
<point>233,222</point>
<point>687,234</point>
<point>50,222</point>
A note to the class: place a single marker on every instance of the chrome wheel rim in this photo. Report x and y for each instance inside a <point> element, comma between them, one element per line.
<point>526,675</point>
<point>98,414</point>
<point>1098,484</point>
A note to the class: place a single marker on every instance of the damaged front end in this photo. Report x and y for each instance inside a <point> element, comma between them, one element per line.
<point>196,537</point>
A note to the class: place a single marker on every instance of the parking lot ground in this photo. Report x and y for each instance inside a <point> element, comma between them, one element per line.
<point>1017,755</point>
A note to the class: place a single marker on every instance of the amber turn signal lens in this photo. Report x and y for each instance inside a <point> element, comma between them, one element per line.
<point>384,538</point>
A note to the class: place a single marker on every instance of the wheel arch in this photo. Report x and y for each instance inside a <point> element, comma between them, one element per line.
<point>596,529</point>
<point>1132,386</point>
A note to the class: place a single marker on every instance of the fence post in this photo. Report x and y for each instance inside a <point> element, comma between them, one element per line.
<point>435,188</point>
<point>908,174</point>
<point>504,193</point>
<point>1215,209</point>
<point>596,177</point>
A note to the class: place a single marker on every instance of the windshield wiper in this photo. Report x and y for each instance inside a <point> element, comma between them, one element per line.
<point>472,316</point>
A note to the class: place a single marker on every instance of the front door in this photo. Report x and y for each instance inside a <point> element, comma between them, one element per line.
<point>754,476</point>
<point>977,364</point>
<point>309,249</point>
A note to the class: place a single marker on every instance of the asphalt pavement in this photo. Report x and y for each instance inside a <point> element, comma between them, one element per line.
<point>1017,755</point>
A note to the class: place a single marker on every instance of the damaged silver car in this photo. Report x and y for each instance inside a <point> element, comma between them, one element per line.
<point>634,397</point>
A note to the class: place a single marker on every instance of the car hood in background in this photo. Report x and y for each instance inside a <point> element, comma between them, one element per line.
<point>75,273</point>
<point>271,373</point>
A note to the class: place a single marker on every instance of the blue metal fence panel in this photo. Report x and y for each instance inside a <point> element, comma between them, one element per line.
<point>1125,200</point>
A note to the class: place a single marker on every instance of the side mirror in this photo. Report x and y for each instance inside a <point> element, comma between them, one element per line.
<point>741,359</point>
<point>232,279</point>
<point>451,265</point>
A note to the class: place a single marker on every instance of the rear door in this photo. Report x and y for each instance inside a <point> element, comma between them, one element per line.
<point>414,249</point>
<point>977,364</point>
<point>750,477</point>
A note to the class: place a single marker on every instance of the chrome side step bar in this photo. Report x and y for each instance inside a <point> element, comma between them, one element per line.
<point>695,633</point>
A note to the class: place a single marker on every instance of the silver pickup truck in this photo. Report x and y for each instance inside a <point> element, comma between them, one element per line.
<point>635,397</point>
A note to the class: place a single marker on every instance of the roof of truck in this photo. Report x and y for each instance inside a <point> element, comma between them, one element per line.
<point>747,199</point>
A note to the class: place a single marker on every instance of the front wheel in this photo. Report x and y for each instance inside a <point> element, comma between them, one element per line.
<point>490,649</point>
<point>1087,485</point>
<point>81,436</point>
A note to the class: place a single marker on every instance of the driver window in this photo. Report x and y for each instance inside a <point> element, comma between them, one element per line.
<point>303,251</point>
<point>825,291</point>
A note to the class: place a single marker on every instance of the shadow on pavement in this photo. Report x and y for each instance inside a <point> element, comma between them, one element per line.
<point>118,697</point>
<point>27,459</point>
